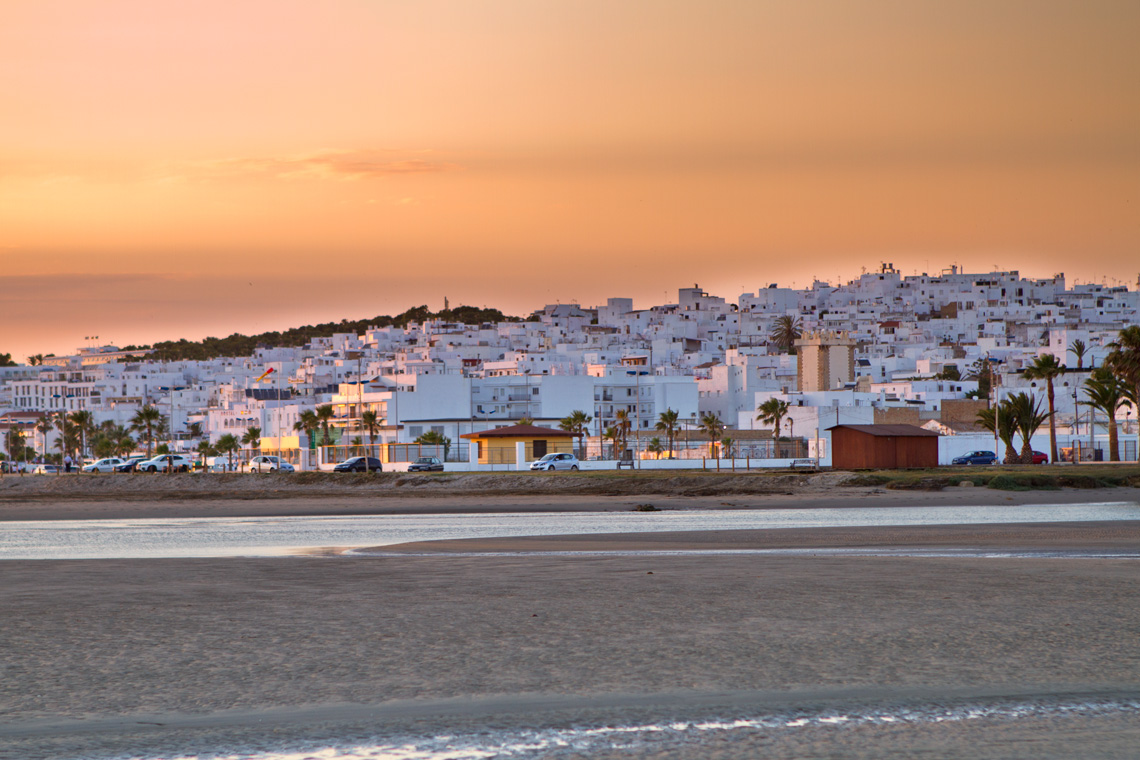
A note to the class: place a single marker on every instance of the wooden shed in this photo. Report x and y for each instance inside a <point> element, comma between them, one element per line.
<point>882,447</point>
<point>498,446</point>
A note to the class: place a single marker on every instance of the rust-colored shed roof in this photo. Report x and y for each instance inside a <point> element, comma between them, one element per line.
<point>520,431</point>
<point>898,430</point>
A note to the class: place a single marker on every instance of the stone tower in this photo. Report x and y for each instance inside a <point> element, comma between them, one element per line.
<point>826,361</point>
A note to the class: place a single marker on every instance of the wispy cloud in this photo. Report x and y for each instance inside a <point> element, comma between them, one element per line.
<point>323,165</point>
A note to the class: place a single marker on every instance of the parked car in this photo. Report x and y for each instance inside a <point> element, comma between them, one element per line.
<point>426,464</point>
<point>103,465</point>
<point>130,463</point>
<point>47,469</point>
<point>13,467</point>
<point>267,464</point>
<point>357,464</point>
<point>1040,457</point>
<point>165,463</point>
<point>552,462</point>
<point>977,457</point>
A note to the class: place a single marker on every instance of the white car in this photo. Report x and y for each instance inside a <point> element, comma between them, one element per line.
<point>552,462</point>
<point>165,463</point>
<point>103,465</point>
<point>47,469</point>
<point>266,464</point>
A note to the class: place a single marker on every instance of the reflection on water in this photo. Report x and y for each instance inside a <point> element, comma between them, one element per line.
<point>651,738</point>
<point>275,536</point>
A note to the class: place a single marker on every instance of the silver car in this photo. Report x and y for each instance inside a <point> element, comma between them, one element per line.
<point>104,465</point>
<point>552,462</point>
<point>266,464</point>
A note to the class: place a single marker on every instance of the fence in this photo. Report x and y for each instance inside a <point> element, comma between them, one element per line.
<point>596,449</point>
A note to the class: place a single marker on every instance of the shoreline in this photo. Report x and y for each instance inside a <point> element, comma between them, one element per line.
<point>75,507</point>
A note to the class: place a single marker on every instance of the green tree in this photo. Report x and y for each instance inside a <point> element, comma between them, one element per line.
<point>1108,394</point>
<point>613,435</point>
<point>624,424</point>
<point>728,444</point>
<point>983,371</point>
<point>1003,418</point>
<point>436,438</point>
<point>84,423</point>
<point>786,330</point>
<point>14,443</point>
<point>68,441</point>
<point>528,420</point>
<point>149,423</point>
<point>667,422</point>
<point>950,372</point>
<point>1028,417</point>
<point>6,360</point>
<point>578,423</point>
<point>1046,367</point>
<point>324,418</point>
<point>251,438</point>
<point>1078,349</point>
<point>308,424</point>
<point>35,360</point>
<point>206,450</point>
<point>227,445</point>
<point>712,426</point>
<point>194,430</point>
<point>655,447</point>
<point>44,426</point>
<point>370,421</point>
<point>1124,361</point>
<point>772,412</point>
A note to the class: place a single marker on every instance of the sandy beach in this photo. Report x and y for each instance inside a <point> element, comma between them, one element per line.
<point>159,657</point>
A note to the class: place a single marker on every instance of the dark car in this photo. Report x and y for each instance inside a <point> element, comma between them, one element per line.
<point>130,464</point>
<point>426,464</point>
<point>357,464</point>
<point>977,457</point>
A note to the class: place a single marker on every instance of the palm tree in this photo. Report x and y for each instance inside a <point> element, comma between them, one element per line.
<point>370,421</point>
<point>35,359</point>
<point>194,430</point>
<point>727,443</point>
<point>324,417</point>
<point>1107,393</point>
<point>84,424</point>
<point>655,448</point>
<point>1001,416</point>
<point>436,438</point>
<point>613,435</point>
<point>1078,349</point>
<point>307,423</point>
<point>1124,361</point>
<point>578,423</point>
<point>251,438</point>
<point>43,427</point>
<point>526,420</point>
<point>228,444</point>
<point>785,331</point>
<point>148,423</point>
<point>14,443</point>
<point>773,412</point>
<point>1028,417</point>
<point>207,450</point>
<point>667,422</point>
<point>712,426</point>
<point>68,441</point>
<point>624,425</point>
<point>1046,368</point>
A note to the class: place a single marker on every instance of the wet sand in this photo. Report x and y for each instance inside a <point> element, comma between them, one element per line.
<point>179,656</point>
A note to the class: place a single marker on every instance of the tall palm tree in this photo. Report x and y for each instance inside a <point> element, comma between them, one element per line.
<point>148,423</point>
<point>14,443</point>
<point>370,421</point>
<point>712,426</point>
<point>1078,349</point>
<point>613,435</point>
<point>1004,419</point>
<point>228,444</point>
<point>68,441</point>
<point>1028,417</point>
<point>44,426</point>
<point>207,450</point>
<point>1107,393</point>
<point>772,412</point>
<point>578,423</point>
<point>84,423</point>
<point>785,331</point>
<point>324,417</point>
<point>1124,361</point>
<point>667,423</point>
<point>624,425</point>
<point>307,423</point>
<point>655,448</point>
<point>1046,367</point>
<point>251,438</point>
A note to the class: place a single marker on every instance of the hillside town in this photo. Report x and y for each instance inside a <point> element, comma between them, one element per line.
<point>760,381</point>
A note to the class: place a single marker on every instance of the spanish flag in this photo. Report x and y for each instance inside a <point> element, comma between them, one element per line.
<point>268,372</point>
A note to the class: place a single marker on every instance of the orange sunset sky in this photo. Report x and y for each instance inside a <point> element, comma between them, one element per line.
<point>181,169</point>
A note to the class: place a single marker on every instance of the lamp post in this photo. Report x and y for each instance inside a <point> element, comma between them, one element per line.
<point>637,410</point>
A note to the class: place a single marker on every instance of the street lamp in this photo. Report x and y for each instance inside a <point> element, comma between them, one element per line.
<point>637,410</point>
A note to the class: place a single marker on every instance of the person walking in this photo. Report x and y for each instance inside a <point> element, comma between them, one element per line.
<point>67,463</point>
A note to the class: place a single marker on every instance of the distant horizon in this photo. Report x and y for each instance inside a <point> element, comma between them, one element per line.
<point>159,325</point>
